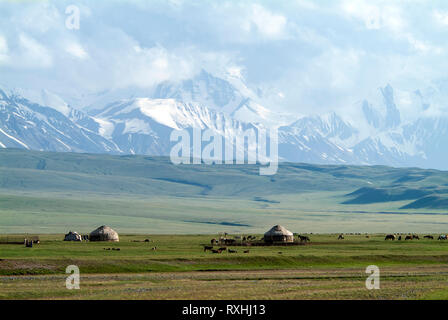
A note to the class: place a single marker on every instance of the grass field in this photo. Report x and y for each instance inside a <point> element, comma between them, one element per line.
<point>44,192</point>
<point>179,269</point>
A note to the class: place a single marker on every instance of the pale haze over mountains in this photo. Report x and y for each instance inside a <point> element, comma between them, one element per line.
<point>142,124</point>
<point>344,82</point>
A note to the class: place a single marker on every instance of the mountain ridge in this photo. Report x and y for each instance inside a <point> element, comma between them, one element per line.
<point>142,125</point>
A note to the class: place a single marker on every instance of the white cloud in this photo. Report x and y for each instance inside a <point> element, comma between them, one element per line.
<point>76,50</point>
<point>145,67</point>
<point>267,24</point>
<point>375,14</point>
<point>4,57</point>
<point>441,17</point>
<point>316,54</point>
<point>33,53</point>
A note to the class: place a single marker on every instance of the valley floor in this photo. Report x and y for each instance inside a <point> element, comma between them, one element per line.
<point>347,283</point>
<point>326,268</point>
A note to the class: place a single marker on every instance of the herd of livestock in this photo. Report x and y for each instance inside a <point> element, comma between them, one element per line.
<point>247,240</point>
<point>413,237</point>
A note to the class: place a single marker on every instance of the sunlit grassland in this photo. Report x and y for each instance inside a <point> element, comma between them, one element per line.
<point>179,269</point>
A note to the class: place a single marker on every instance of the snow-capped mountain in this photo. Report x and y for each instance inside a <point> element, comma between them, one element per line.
<point>25,124</point>
<point>228,107</point>
<point>230,96</point>
<point>143,125</point>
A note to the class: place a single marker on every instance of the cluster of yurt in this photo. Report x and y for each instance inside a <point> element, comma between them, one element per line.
<point>103,233</point>
<point>278,233</point>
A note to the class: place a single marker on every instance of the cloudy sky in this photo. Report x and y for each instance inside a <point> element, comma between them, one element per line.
<point>311,55</point>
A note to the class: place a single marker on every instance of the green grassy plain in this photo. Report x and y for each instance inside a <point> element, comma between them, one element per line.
<point>43,192</point>
<point>179,269</point>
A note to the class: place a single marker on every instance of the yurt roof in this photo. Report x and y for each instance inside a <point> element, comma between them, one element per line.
<point>278,230</point>
<point>104,229</point>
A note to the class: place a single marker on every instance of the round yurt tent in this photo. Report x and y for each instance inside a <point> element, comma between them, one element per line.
<point>104,233</point>
<point>73,236</point>
<point>278,234</point>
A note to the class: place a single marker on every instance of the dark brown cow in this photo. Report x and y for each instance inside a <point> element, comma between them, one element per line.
<point>208,248</point>
<point>390,237</point>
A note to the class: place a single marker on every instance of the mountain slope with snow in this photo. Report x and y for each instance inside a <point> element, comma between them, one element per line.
<point>383,135</point>
<point>25,124</point>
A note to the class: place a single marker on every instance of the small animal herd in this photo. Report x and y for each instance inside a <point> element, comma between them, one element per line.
<point>413,237</point>
<point>222,249</point>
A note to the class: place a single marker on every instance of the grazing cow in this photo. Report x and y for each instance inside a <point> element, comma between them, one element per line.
<point>208,248</point>
<point>442,237</point>
<point>341,237</point>
<point>280,252</point>
<point>223,249</point>
<point>408,238</point>
<point>213,241</point>
<point>390,237</point>
<point>232,251</point>
<point>414,236</point>
<point>429,237</point>
<point>147,240</point>
<point>154,248</point>
<point>399,238</point>
<point>246,251</point>
<point>303,238</point>
<point>216,251</point>
<point>368,237</point>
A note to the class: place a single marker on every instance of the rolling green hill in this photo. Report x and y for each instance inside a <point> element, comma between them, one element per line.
<point>54,192</point>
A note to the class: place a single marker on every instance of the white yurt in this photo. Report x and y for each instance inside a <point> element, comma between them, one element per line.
<point>73,236</point>
<point>278,233</point>
<point>104,233</point>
